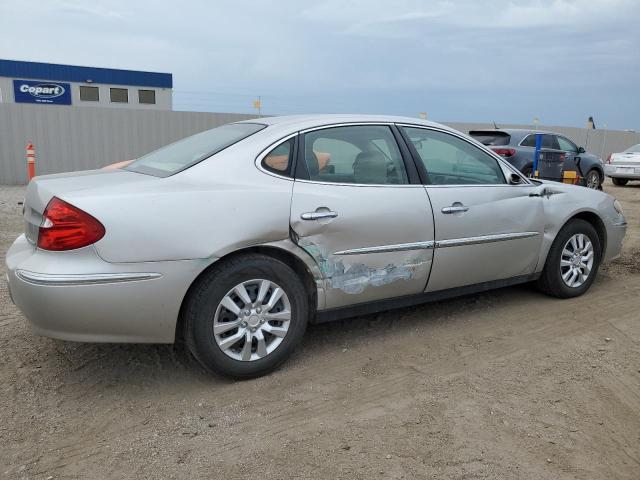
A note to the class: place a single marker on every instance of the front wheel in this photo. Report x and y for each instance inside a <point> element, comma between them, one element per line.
<point>572,262</point>
<point>593,180</point>
<point>246,316</point>
<point>620,182</point>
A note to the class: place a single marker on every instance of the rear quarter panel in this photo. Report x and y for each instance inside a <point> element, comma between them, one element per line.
<point>220,205</point>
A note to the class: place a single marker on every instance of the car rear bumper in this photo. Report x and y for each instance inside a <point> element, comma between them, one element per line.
<point>77,296</point>
<point>622,171</point>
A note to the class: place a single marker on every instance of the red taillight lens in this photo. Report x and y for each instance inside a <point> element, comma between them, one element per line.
<point>505,152</point>
<point>66,227</point>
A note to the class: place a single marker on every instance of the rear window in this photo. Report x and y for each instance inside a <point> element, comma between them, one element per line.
<point>187,152</point>
<point>491,138</point>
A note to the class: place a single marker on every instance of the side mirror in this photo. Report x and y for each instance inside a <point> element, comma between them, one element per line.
<point>581,150</point>
<point>515,179</point>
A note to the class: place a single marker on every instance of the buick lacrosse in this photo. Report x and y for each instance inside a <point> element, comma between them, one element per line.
<point>235,238</point>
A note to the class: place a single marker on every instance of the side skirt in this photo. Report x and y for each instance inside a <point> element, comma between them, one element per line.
<point>333,314</point>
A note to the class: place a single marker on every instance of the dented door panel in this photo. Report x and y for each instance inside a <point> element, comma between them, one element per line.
<point>378,245</point>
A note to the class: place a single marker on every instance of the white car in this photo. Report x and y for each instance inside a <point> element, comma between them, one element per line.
<point>625,166</point>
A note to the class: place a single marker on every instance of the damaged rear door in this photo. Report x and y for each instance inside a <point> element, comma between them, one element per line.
<point>357,210</point>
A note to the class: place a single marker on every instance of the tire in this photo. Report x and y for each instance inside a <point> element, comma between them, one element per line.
<point>551,281</point>
<point>204,309</point>
<point>593,179</point>
<point>620,182</point>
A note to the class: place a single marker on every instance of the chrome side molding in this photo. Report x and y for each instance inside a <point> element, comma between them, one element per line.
<point>48,279</point>
<point>454,242</point>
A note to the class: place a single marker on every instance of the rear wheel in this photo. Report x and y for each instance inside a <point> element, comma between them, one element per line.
<point>246,316</point>
<point>572,262</point>
<point>620,182</point>
<point>593,180</point>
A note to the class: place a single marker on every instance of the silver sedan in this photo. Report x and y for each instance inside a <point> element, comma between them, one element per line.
<point>234,239</point>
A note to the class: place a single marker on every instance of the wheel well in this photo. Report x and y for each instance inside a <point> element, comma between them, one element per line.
<point>284,256</point>
<point>598,224</point>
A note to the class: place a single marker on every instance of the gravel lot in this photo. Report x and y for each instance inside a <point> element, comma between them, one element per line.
<point>506,384</point>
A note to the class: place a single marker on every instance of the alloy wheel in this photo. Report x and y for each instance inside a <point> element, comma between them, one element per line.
<point>252,320</point>
<point>576,261</point>
<point>593,180</point>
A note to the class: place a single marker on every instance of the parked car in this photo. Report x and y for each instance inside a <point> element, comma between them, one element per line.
<point>625,166</point>
<point>237,237</point>
<point>517,146</point>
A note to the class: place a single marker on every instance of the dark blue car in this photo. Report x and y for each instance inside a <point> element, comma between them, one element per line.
<point>518,145</point>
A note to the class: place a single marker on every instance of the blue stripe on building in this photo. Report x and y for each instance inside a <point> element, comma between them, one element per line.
<point>72,73</point>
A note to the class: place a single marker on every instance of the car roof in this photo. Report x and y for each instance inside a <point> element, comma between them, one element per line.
<point>513,131</point>
<point>302,122</point>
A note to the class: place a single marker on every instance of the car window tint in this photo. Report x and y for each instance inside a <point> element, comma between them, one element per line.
<point>449,160</point>
<point>549,141</point>
<point>366,154</point>
<point>280,158</point>
<point>566,145</point>
<point>529,141</point>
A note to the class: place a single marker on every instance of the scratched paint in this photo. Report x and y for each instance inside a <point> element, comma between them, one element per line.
<point>355,278</point>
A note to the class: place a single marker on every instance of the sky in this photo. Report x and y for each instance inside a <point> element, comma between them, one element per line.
<point>507,61</point>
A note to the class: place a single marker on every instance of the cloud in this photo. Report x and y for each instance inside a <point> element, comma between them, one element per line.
<point>497,59</point>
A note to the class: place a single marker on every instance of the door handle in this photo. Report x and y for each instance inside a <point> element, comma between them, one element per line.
<point>318,215</point>
<point>455,208</point>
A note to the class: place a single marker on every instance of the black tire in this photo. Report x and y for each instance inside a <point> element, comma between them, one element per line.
<point>597,179</point>
<point>210,290</point>
<point>551,282</point>
<point>620,182</point>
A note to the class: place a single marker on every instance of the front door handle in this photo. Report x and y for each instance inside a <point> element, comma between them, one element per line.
<point>318,215</point>
<point>455,208</point>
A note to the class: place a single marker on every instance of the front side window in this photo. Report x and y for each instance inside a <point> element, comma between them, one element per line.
<point>187,152</point>
<point>279,159</point>
<point>449,160</point>
<point>119,95</point>
<point>362,154</point>
<point>567,145</point>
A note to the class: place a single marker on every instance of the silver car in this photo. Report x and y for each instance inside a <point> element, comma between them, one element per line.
<point>624,166</point>
<point>234,239</point>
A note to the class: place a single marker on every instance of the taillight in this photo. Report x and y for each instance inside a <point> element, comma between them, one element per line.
<point>66,227</point>
<point>505,152</point>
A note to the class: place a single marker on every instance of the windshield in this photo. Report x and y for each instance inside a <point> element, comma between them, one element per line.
<point>634,149</point>
<point>187,152</point>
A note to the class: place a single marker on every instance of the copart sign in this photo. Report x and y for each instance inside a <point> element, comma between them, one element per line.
<point>33,91</point>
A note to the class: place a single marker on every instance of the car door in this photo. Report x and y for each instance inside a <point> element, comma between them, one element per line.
<point>485,228</point>
<point>361,214</point>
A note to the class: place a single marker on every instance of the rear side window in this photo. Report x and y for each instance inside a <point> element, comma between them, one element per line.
<point>279,159</point>
<point>548,141</point>
<point>491,138</point>
<point>191,150</point>
<point>363,154</point>
<point>449,160</point>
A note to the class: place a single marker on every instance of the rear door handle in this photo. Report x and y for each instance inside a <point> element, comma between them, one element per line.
<point>455,208</point>
<point>318,215</point>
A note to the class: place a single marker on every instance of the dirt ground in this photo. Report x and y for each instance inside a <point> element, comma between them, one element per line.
<point>506,384</point>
